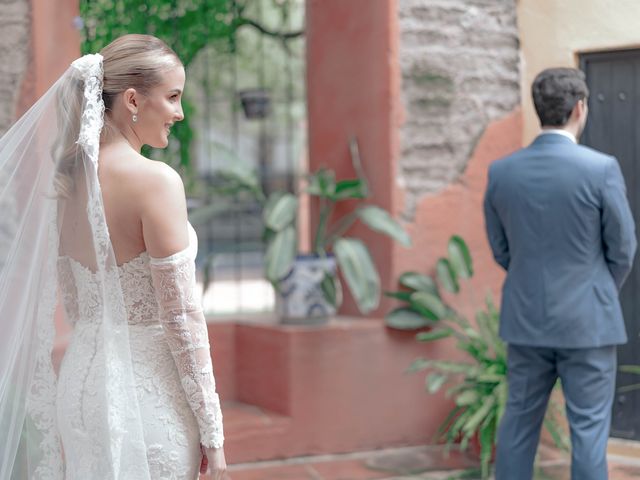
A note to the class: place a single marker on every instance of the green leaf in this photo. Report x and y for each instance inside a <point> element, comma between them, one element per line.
<point>434,335</point>
<point>406,319</point>
<point>419,364</point>
<point>379,220</point>
<point>451,366</point>
<point>281,213</point>
<point>487,440</point>
<point>479,415</point>
<point>447,276</point>
<point>322,183</point>
<point>460,257</point>
<point>490,378</point>
<point>400,295</point>
<point>280,254</point>
<point>466,398</point>
<point>429,304</point>
<point>350,189</point>
<point>635,369</point>
<point>435,381</point>
<point>332,289</point>
<point>419,282</point>
<point>359,271</point>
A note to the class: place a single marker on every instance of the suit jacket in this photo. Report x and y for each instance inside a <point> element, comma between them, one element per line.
<point>559,223</point>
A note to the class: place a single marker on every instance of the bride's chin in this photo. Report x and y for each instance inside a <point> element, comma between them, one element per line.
<point>161,143</point>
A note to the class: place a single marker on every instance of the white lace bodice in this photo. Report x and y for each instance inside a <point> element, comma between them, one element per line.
<point>158,293</point>
<point>139,295</point>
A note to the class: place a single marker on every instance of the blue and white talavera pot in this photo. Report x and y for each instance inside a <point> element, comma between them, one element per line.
<point>301,299</point>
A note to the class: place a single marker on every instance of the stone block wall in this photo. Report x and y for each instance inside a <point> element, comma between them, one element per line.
<point>460,70</point>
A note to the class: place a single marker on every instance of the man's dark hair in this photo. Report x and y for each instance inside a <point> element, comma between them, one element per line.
<point>555,92</point>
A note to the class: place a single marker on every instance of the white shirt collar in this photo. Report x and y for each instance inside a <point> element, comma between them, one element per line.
<point>559,131</point>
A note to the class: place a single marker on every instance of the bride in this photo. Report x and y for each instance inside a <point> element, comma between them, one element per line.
<point>90,221</point>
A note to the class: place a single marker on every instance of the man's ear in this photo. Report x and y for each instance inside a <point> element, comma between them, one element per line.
<point>578,110</point>
<point>131,100</point>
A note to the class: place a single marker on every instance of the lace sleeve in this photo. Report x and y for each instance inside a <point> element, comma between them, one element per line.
<point>186,331</point>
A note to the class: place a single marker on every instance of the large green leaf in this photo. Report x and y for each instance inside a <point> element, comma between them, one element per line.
<point>359,271</point>
<point>460,257</point>
<point>280,254</point>
<point>429,304</point>
<point>418,281</point>
<point>406,319</point>
<point>447,276</point>
<point>281,213</point>
<point>379,220</point>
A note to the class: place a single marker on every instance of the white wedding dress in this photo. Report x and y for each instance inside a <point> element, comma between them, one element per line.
<point>171,364</point>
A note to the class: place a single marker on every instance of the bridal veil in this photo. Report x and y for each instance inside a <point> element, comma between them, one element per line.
<point>51,208</point>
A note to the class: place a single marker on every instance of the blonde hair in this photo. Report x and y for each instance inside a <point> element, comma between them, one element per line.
<point>131,61</point>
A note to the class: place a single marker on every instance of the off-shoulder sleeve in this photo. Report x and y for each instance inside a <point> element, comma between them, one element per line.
<point>174,281</point>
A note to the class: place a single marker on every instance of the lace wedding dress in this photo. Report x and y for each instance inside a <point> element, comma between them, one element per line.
<point>171,365</point>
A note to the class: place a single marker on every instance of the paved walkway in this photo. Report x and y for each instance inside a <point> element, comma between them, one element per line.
<point>411,463</point>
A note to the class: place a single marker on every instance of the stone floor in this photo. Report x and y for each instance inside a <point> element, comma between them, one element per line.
<point>426,463</point>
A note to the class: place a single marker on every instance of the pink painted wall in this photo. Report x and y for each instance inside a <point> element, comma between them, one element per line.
<point>54,45</point>
<point>353,80</point>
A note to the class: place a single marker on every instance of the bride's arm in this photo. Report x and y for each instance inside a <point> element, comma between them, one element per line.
<point>164,223</point>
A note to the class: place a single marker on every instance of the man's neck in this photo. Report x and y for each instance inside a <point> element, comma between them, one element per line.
<point>567,132</point>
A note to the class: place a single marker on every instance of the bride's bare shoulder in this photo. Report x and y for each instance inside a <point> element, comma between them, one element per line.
<point>159,186</point>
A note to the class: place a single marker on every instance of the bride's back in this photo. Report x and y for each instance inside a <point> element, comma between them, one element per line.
<point>125,181</point>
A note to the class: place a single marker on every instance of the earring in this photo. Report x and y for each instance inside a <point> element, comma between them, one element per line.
<point>134,118</point>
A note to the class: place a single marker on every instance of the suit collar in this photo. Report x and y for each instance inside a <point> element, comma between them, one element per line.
<point>552,139</point>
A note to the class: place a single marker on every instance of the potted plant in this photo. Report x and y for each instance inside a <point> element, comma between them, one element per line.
<point>308,284</point>
<point>478,384</point>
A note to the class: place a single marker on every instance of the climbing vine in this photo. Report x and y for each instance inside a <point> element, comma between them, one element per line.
<point>188,26</point>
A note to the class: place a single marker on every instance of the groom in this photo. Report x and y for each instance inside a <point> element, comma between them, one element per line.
<point>559,223</point>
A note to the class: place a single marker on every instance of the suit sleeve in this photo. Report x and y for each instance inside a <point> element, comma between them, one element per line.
<point>495,229</point>
<point>618,228</point>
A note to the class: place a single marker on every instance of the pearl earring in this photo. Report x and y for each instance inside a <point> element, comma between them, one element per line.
<point>134,118</point>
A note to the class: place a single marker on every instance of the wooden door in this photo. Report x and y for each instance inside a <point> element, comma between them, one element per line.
<point>613,127</point>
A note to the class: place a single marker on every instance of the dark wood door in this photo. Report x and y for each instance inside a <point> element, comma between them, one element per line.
<point>613,127</point>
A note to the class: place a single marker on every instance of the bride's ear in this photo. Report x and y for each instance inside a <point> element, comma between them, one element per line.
<point>131,100</point>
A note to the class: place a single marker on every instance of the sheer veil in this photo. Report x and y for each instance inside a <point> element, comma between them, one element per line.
<point>55,248</point>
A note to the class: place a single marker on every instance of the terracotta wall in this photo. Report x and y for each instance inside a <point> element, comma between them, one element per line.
<point>354,88</point>
<point>53,46</point>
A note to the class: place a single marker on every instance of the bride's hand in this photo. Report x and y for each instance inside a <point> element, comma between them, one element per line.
<point>213,459</point>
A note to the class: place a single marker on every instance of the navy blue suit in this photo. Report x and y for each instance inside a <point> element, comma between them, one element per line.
<point>558,221</point>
